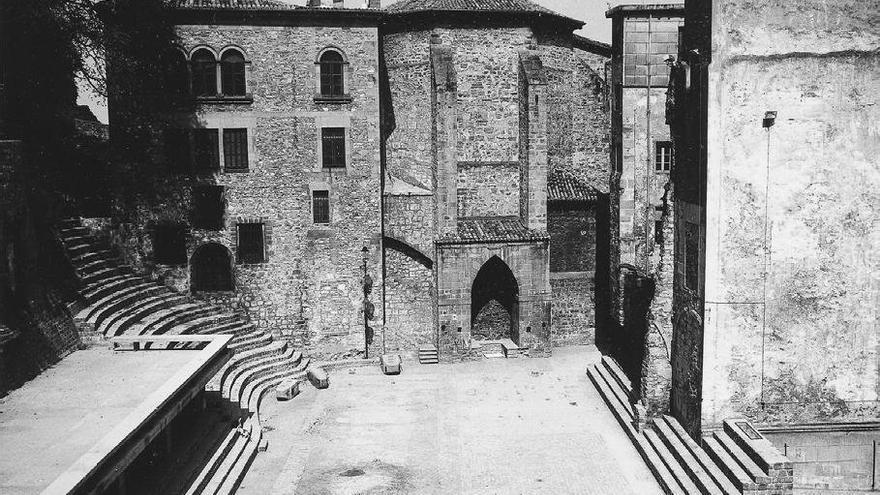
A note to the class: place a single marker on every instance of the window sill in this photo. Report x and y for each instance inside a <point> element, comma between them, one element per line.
<point>241,99</point>
<point>236,170</point>
<point>335,100</point>
<point>251,263</point>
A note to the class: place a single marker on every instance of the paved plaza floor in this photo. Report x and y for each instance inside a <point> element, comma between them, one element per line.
<point>504,426</point>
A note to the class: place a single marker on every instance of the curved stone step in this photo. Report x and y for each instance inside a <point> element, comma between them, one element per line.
<point>241,358</point>
<point>105,273</point>
<point>205,324</point>
<point>104,287</point>
<point>162,321</point>
<point>254,389</point>
<point>94,255</point>
<point>231,328</point>
<point>68,223</point>
<point>113,301</point>
<point>259,338</point>
<point>240,375</point>
<point>130,318</point>
<point>130,304</point>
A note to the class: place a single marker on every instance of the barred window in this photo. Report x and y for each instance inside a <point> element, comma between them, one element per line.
<point>207,150</point>
<point>208,207</point>
<point>169,244</point>
<point>177,150</point>
<point>250,243</point>
<point>321,207</point>
<point>204,73</point>
<point>332,74</point>
<point>663,156</point>
<point>333,146</point>
<point>232,73</point>
<point>235,149</point>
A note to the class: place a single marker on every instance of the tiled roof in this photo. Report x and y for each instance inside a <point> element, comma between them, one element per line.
<point>492,229</point>
<point>563,186</point>
<point>232,4</point>
<point>469,5</point>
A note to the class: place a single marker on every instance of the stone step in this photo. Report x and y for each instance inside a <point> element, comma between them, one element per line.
<point>247,345</point>
<point>126,319</point>
<point>617,373</point>
<point>240,359</point>
<point>105,273</point>
<point>94,265</point>
<point>734,472</point>
<point>621,394</point>
<point>101,309</point>
<point>69,223</point>
<point>75,231</point>
<point>205,324</point>
<point>236,450</point>
<point>759,449</point>
<point>105,287</point>
<point>715,472</point>
<point>249,370</point>
<point>649,455</point>
<point>755,474</point>
<point>683,456</point>
<point>108,254</point>
<point>198,485</point>
<point>129,303</point>
<point>252,392</point>
<point>671,463</point>
<point>161,322</point>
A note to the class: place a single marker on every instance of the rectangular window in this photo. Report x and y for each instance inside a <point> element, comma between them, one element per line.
<point>333,147</point>
<point>169,244</point>
<point>663,156</point>
<point>691,255</point>
<point>321,207</point>
<point>207,150</point>
<point>658,232</point>
<point>250,243</point>
<point>235,150</point>
<point>177,150</point>
<point>208,207</point>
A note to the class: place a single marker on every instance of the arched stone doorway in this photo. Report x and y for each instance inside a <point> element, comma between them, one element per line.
<point>495,303</point>
<point>211,268</point>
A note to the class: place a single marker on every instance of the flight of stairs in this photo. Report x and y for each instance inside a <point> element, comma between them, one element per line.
<point>115,301</point>
<point>428,355</point>
<point>728,462</point>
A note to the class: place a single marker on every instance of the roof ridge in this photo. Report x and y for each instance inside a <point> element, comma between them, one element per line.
<point>526,6</point>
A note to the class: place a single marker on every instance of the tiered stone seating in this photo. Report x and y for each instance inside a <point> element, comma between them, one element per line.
<point>727,463</point>
<point>115,301</point>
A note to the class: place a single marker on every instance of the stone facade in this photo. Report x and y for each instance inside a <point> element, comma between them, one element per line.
<point>450,132</point>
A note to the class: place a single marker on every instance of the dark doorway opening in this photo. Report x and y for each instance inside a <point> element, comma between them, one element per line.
<point>211,268</point>
<point>495,303</point>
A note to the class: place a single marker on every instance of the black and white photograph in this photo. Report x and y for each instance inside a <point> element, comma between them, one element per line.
<point>494,247</point>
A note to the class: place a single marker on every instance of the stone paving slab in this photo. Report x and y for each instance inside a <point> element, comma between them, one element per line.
<point>51,421</point>
<point>494,426</point>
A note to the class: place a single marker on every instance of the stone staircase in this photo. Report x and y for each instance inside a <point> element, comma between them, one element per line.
<point>114,301</point>
<point>733,460</point>
<point>428,355</point>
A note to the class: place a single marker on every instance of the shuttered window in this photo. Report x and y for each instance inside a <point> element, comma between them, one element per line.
<point>332,79</point>
<point>235,150</point>
<point>333,147</point>
<point>251,247</point>
<point>321,207</point>
<point>207,150</point>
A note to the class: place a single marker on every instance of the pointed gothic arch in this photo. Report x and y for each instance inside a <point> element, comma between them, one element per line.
<point>495,302</point>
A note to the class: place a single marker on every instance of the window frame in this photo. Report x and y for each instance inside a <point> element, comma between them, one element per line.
<point>199,219</point>
<point>212,148</point>
<point>343,95</point>
<point>262,240</point>
<point>240,72</point>
<point>314,198</point>
<point>328,141</point>
<point>198,73</point>
<point>243,148</point>
<point>663,156</point>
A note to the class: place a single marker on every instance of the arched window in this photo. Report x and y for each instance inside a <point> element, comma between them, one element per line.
<point>204,73</point>
<point>232,73</point>
<point>211,269</point>
<point>332,80</point>
<point>176,72</point>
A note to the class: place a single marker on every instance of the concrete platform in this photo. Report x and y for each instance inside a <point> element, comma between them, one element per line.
<point>489,426</point>
<point>63,426</point>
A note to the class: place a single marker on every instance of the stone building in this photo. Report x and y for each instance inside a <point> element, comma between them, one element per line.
<point>434,141</point>
<point>773,116</point>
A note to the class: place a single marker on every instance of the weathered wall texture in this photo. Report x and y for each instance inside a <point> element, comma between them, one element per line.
<point>310,283</point>
<point>488,189</point>
<point>791,266</point>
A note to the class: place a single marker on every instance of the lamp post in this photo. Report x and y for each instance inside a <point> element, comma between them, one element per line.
<point>368,306</point>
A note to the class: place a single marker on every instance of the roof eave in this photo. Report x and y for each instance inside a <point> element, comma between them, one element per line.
<point>675,9</point>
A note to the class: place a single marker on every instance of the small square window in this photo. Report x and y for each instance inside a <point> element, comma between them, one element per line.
<point>207,150</point>
<point>663,156</point>
<point>333,147</point>
<point>169,244</point>
<point>251,248</point>
<point>208,207</point>
<point>235,150</point>
<point>321,207</point>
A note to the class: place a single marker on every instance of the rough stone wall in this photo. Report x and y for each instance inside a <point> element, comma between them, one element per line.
<point>410,302</point>
<point>312,272</point>
<point>573,311</point>
<point>791,263</point>
<point>36,280</point>
<point>488,189</point>
<point>458,266</point>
